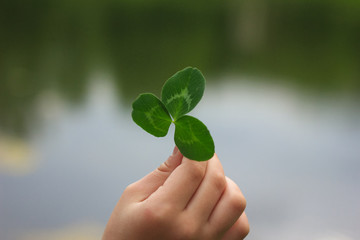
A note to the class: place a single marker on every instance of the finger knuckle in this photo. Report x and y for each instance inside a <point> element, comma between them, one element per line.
<point>242,230</point>
<point>245,231</point>
<point>197,172</point>
<point>189,230</point>
<point>156,214</point>
<point>238,201</point>
<point>218,181</point>
<point>133,187</point>
<point>164,167</point>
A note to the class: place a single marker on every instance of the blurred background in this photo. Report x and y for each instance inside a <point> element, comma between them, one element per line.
<point>281,102</point>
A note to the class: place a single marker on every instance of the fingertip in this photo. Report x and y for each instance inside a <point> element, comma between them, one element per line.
<point>172,162</point>
<point>176,150</point>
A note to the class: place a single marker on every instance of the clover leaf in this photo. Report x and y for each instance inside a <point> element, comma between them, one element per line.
<point>150,114</point>
<point>180,94</point>
<point>183,91</point>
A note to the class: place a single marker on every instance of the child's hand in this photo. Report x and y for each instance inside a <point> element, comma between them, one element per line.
<point>181,199</point>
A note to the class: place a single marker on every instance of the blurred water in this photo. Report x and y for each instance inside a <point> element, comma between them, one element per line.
<point>295,157</point>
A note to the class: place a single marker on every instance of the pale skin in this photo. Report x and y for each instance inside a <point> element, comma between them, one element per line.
<point>181,199</point>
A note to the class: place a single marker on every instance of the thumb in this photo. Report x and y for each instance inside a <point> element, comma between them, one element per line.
<point>143,188</point>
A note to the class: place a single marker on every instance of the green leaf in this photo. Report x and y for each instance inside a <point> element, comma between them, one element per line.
<point>150,114</point>
<point>193,139</point>
<point>180,94</point>
<point>183,91</point>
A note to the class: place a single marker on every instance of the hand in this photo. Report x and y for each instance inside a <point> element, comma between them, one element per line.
<point>181,199</point>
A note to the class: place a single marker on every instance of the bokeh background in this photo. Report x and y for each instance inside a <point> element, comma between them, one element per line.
<point>281,101</point>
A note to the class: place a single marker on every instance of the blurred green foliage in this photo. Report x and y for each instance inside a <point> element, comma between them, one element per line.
<point>48,44</point>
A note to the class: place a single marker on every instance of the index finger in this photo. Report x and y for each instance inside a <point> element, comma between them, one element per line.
<point>181,185</point>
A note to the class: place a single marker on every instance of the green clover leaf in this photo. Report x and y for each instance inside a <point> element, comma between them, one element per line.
<point>150,114</point>
<point>193,139</point>
<point>183,91</point>
<point>180,94</point>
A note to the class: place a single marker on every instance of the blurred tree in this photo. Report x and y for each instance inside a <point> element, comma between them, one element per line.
<point>58,44</point>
